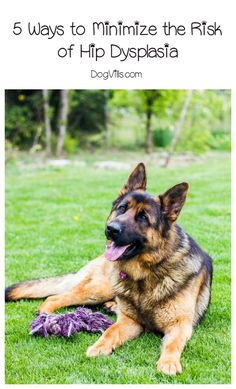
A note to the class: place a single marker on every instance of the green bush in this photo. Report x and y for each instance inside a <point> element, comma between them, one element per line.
<point>20,126</point>
<point>91,141</point>
<point>70,144</point>
<point>23,116</point>
<point>161,137</point>
<point>194,139</point>
<point>10,151</point>
<point>220,140</point>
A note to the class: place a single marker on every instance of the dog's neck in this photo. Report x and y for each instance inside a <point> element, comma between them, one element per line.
<point>139,267</point>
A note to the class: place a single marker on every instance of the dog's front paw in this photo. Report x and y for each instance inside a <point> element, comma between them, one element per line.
<point>110,307</point>
<point>170,366</point>
<point>99,349</point>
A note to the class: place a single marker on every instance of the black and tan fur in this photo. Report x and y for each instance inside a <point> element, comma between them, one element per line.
<point>168,276</point>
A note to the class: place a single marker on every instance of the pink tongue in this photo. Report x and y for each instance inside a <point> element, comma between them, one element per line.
<point>114,252</point>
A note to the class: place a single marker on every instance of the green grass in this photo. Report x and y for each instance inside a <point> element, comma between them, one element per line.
<point>42,239</point>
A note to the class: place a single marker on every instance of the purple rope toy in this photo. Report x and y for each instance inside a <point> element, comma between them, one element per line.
<point>67,324</point>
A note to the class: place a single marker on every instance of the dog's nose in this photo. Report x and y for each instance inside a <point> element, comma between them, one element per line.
<point>113,229</point>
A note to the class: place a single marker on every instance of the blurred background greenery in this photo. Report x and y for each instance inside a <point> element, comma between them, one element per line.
<point>65,122</point>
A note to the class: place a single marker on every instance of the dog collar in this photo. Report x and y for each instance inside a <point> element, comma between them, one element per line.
<point>122,275</point>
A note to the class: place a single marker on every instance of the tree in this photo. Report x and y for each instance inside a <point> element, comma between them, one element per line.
<point>23,116</point>
<point>150,104</point>
<point>106,130</point>
<point>145,103</point>
<point>135,119</point>
<point>149,98</point>
<point>62,121</point>
<point>87,113</point>
<point>179,126</point>
<point>47,122</point>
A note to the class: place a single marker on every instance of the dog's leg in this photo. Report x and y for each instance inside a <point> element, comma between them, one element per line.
<point>90,291</point>
<point>172,345</point>
<point>124,329</point>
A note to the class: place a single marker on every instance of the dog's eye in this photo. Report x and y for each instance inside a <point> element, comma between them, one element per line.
<point>122,208</point>
<point>141,216</point>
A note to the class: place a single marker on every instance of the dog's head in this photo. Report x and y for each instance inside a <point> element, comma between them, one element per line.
<point>138,221</point>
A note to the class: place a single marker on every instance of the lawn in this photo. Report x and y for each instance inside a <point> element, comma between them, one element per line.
<point>55,224</point>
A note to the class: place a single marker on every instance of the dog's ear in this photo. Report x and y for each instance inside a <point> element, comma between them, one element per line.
<point>173,200</point>
<point>137,180</point>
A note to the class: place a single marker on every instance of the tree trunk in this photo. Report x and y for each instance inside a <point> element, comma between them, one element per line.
<point>178,126</point>
<point>47,121</point>
<point>35,144</point>
<point>62,121</point>
<point>148,130</point>
<point>106,132</point>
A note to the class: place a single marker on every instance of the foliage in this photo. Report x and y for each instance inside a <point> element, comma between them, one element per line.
<point>161,137</point>
<point>43,238</point>
<point>86,111</point>
<point>122,118</point>
<point>70,144</point>
<point>10,151</point>
<point>209,110</point>
<point>23,117</point>
<point>195,139</point>
<point>126,128</point>
<point>220,140</point>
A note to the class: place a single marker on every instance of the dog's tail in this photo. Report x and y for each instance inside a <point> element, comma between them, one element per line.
<point>42,287</point>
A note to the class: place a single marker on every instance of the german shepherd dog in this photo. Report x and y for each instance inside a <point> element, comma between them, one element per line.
<point>158,276</point>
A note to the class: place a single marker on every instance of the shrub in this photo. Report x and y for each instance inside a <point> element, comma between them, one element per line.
<point>195,140</point>
<point>70,144</point>
<point>220,140</point>
<point>161,137</point>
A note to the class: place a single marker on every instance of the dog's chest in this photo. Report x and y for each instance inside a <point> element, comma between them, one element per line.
<point>138,300</point>
<point>147,301</point>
